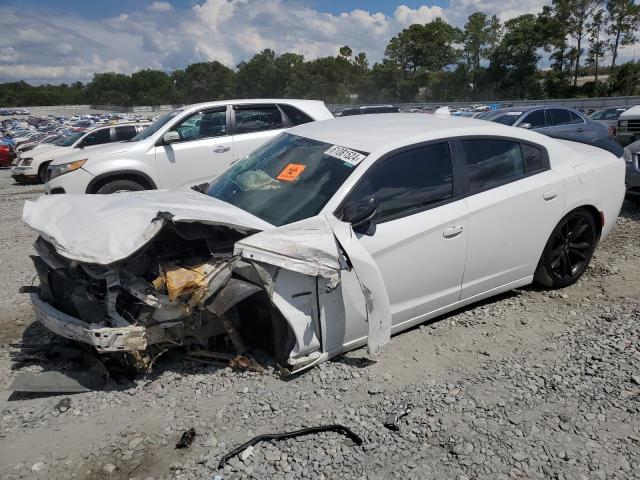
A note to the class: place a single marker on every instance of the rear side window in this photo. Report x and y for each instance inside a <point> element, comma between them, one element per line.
<point>491,163</point>
<point>97,138</point>
<point>125,133</point>
<point>408,182</point>
<point>296,116</point>
<point>536,119</point>
<point>534,158</point>
<point>257,119</point>
<point>575,118</point>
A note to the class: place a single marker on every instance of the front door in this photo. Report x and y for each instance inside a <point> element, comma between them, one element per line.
<point>205,150</point>
<point>421,230</point>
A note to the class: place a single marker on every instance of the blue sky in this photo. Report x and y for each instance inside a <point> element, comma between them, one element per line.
<point>46,41</point>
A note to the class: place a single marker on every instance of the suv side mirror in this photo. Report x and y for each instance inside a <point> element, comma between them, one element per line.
<point>525,125</point>
<point>170,137</point>
<point>359,214</point>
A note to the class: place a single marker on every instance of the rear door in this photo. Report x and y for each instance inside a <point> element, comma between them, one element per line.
<point>514,202</point>
<point>255,124</point>
<point>205,149</point>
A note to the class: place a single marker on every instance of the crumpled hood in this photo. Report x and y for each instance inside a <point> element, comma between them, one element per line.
<point>94,151</point>
<point>107,228</point>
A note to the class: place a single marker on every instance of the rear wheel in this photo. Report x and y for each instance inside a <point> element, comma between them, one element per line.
<point>116,186</point>
<point>568,250</point>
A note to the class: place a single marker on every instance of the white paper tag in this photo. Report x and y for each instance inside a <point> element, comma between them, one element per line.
<point>345,154</point>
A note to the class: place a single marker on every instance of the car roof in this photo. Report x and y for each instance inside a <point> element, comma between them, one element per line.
<point>384,131</point>
<point>250,101</point>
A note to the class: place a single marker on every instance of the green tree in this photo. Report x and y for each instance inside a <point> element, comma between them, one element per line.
<point>513,65</point>
<point>623,17</point>
<point>581,11</point>
<point>150,87</point>
<point>110,89</point>
<point>475,37</point>
<point>207,81</point>
<point>596,44</point>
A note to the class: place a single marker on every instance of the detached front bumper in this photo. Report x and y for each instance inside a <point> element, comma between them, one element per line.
<point>105,339</point>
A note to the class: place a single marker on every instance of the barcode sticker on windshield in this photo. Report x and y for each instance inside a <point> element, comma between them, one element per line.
<point>345,154</point>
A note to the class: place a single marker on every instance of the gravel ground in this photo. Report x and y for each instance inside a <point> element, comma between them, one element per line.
<point>532,384</point>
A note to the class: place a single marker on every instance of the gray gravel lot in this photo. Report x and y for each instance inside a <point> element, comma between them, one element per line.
<point>532,384</point>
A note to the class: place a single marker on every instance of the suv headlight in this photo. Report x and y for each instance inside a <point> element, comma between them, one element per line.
<point>25,162</point>
<point>57,170</point>
<point>622,123</point>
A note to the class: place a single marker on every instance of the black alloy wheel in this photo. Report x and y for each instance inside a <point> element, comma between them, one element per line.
<point>569,250</point>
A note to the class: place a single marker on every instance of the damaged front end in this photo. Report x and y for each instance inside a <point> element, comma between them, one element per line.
<point>291,292</point>
<point>183,289</point>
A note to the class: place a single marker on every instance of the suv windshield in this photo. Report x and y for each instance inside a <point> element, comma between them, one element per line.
<point>289,178</point>
<point>155,126</point>
<point>70,140</point>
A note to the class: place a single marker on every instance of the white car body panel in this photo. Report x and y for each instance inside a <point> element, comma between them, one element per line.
<point>338,289</point>
<point>183,163</point>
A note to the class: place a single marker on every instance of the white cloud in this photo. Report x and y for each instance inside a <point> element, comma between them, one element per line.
<point>160,7</point>
<point>57,47</point>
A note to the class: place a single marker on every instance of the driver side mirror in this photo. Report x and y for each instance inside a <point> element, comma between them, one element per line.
<point>525,125</point>
<point>360,215</point>
<point>170,137</point>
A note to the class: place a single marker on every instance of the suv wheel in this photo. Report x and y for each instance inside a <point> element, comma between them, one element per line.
<point>117,186</point>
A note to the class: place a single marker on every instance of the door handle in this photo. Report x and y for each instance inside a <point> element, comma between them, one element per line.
<point>550,195</point>
<point>452,231</point>
<point>221,149</point>
<point>580,130</point>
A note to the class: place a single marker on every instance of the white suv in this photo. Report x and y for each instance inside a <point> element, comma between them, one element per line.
<point>189,146</point>
<point>31,166</point>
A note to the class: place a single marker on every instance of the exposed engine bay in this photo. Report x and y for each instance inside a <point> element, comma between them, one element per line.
<point>185,288</point>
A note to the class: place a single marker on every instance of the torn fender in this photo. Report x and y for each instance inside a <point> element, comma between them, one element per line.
<point>310,247</point>
<point>371,283</point>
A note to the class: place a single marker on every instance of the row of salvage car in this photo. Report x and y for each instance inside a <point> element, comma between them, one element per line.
<point>326,237</point>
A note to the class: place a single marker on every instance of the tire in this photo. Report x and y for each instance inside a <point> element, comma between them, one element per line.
<point>42,172</point>
<point>568,250</point>
<point>116,186</point>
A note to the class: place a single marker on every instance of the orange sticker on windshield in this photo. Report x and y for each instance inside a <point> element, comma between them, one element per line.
<point>291,172</point>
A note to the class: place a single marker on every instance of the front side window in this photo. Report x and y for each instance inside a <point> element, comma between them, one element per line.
<point>96,138</point>
<point>125,133</point>
<point>203,124</point>
<point>287,179</point>
<point>535,119</point>
<point>491,163</point>
<point>408,182</point>
<point>257,118</point>
<point>155,126</point>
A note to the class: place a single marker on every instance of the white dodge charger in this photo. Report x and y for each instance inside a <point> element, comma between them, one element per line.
<point>330,236</point>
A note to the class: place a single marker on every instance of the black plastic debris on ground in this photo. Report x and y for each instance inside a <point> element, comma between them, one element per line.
<point>392,422</point>
<point>297,433</point>
<point>187,438</point>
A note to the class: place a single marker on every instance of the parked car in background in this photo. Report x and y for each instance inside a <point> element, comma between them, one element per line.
<point>6,155</point>
<point>628,130</point>
<point>186,147</point>
<point>609,118</point>
<point>632,157</point>
<point>328,237</point>
<point>366,109</point>
<point>32,167</point>
<point>558,120</point>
